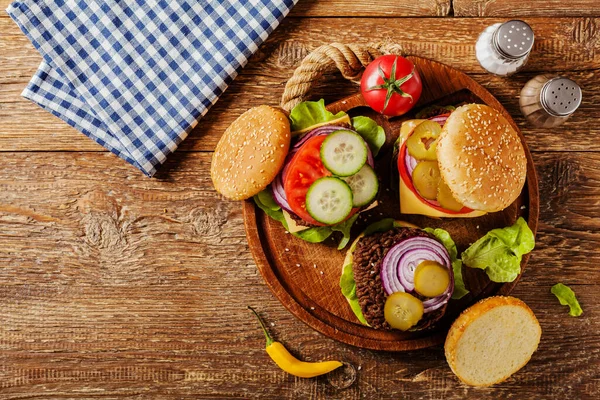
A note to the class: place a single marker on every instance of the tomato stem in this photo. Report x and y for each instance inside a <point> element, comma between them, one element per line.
<point>391,84</point>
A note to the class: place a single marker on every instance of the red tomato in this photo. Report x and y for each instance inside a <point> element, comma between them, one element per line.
<point>391,85</point>
<point>305,168</point>
<point>407,179</point>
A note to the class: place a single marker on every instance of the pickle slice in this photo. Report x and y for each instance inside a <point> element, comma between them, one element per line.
<point>426,178</point>
<point>402,310</point>
<point>431,279</point>
<point>422,143</point>
<point>445,198</point>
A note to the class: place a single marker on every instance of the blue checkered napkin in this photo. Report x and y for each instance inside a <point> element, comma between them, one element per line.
<point>137,75</point>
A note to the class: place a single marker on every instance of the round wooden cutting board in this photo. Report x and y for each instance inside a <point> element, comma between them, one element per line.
<point>305,276</point>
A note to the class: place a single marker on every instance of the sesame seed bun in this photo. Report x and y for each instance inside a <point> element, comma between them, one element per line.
<point>250,153</point>
<point>481,158</point>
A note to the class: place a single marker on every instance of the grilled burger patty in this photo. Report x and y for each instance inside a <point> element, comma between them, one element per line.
<point>367,257</point>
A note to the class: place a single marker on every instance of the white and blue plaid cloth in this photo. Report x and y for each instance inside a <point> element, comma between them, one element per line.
<point>137,75</point>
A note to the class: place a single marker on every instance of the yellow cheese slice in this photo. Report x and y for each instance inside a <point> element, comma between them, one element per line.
<point>293,227</point>
<point>407,127</point>
<point>410,203</point>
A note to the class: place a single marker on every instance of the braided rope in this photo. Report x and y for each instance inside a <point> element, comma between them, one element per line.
<point>349,59</point>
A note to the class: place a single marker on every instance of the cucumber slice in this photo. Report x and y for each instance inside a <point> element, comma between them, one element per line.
<point>344,153</point>
<point>329,200</point>
<point>364,185</point>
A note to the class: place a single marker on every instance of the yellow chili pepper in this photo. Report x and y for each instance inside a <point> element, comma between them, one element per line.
<point>291,364</point>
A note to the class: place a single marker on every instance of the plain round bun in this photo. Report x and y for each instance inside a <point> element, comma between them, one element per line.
<point>250,153</point>
<point>481,158</point>
<point>492,340</point>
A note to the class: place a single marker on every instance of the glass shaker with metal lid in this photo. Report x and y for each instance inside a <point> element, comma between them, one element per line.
<point>503,49</point>
<point>548,100</point>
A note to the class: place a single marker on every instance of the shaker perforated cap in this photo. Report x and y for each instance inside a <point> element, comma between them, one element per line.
<point>514,39</point>
<point>560,96</point>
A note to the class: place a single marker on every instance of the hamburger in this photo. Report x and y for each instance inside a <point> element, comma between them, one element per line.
<point>398,276</point>
<point>464,162</point>
<point>312,171</point>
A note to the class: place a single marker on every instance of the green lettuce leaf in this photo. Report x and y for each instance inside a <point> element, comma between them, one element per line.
<point>566,296</point>
<point>499,252</point>
<point>434,110</point>
<point>309,113</point>
<point>264,200</point>
<point>460,290</point>
<point>348,287</point>
<point>315,234</point>
<point>380,226</point>
<point>372,133</point>
<point>344,228</point>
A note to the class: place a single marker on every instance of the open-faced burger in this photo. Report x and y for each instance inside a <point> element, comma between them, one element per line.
<point>328,175</point>
<point>459,163</point>
<point>398,276</point>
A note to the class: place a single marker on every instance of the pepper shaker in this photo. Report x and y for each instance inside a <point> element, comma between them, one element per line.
<point>547,100</point>
<point>504,48</point>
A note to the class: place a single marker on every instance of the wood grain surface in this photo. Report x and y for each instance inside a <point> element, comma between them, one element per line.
<point>519,9</point>
<point>113,285</point>
<point>569,46</point>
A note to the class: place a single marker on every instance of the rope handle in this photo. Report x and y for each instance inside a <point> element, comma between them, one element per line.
<point>349,59</point>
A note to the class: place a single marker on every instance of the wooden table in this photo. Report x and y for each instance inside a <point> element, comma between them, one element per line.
<point>116,285</point>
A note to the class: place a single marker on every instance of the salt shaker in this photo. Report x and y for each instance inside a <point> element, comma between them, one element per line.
<point>548,100</point>
<point>503,48</point>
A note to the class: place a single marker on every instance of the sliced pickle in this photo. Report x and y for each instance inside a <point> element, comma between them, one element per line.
<point>431,279</point>
<point>426,178</point>
<point>445,198</point>
<point>402,310</point>
<point>423,141</point>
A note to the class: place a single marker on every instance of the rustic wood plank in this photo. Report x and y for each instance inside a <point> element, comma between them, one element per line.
<point>370,8</point>
<point>25,127</point>
<point>118,285</point>
<point>522,9</point>
<point>349,8</point>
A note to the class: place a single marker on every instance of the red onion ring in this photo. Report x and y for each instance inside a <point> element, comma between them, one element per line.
<point>322,130</point>
<point>279,193</point>
<point>399,264</point>
<point>440,119</point>
<point>410,163</point>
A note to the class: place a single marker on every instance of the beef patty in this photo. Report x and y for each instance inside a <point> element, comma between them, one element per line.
<point>367,258</point>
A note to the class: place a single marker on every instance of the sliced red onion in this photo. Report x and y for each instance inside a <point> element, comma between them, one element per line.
<point>440,119</point>
<point>399,264</point>
<point>279,193</point>
<point>322,130</point>
<point>410,163</point>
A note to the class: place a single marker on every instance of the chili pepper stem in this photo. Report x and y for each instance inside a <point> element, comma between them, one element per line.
<point>270,340</point>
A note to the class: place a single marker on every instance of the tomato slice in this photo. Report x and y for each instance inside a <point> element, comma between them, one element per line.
<point>408,182</point>
<point>303,169</point>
